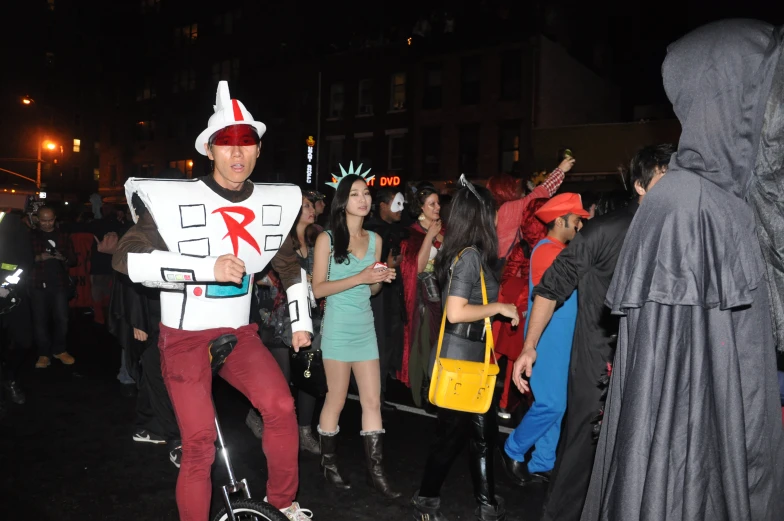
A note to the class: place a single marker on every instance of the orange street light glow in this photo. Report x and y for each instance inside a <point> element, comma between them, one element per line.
<point>50,145</point>
<point>190,163</point>
<point>27,101</point>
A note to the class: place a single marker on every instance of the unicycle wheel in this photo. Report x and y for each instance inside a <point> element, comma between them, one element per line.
<point>250,510</point>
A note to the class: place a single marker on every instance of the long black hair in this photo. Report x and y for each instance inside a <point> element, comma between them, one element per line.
<point>311,232</point>
<point>472,223</point>
<point>337,218</point>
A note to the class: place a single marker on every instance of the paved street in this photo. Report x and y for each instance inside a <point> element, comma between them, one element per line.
<point>68,453</point>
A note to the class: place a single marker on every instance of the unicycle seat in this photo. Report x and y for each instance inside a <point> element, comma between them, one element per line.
<point>220,349</point>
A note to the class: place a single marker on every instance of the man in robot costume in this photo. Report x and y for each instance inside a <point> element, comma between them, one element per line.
<point>201,240</point>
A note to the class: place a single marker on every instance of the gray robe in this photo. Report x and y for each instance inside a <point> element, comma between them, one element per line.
<point>692,427</point>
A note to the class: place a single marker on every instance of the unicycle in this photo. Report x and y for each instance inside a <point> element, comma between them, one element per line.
<point>246,509</point>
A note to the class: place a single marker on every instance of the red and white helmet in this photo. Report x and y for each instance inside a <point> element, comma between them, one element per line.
<point>228,112</point>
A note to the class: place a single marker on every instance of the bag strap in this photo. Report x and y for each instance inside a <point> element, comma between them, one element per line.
<point>329,270</point>
<point>489,344</point>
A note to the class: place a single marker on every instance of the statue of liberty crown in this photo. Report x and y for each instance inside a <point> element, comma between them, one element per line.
<point>337,179</point>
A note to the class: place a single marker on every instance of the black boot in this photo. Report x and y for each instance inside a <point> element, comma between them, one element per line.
<point>15,393</point>
<point>483,440</point>
<point>495,512</point>
<point>374,448</point>
<point>329,460</point>
<point>427,508</point>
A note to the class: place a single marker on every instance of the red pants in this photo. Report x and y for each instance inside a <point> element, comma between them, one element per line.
<point>250,369</point>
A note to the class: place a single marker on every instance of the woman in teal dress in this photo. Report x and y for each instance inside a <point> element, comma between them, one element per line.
<point>344,272</point>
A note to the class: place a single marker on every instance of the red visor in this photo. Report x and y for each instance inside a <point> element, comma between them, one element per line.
<point>235,135</point>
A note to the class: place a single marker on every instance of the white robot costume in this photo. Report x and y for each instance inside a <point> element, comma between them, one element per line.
<point>198,226</point>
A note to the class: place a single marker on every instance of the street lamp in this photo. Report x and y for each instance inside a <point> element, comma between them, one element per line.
<point>27,100</point>
<point>41,145</point>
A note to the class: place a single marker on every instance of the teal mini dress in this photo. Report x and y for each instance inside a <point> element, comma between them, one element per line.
<point>348,333</point>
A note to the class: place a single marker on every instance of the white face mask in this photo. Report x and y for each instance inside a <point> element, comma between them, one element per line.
<point>397,203</point>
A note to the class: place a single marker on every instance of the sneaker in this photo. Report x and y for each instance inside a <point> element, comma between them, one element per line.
<point>43,362</point>
<point>503,414</point>
<point>65,358</point>
<point>15,393</point>
<point>254,423</point>
<point>295,513</point>
<point>175,456</point>
<point>146,436</point>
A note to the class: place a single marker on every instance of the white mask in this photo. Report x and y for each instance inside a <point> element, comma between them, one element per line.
<point>397,203</point>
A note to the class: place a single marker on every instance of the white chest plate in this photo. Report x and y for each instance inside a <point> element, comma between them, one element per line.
<point>195,221</point>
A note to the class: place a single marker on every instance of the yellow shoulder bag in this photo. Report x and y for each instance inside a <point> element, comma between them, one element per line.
<point>459,384</point>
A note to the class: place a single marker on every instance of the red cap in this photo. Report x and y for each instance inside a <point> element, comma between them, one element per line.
<point>560,205</point>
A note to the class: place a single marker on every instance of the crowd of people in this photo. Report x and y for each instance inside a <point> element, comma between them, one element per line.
<point>639,335</point>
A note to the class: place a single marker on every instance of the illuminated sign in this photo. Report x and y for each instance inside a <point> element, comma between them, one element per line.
<point>42,195</point>
<point>311,143</point>
<point>385,180</point>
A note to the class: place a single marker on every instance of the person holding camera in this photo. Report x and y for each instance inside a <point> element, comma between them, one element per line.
<point>51,289</point>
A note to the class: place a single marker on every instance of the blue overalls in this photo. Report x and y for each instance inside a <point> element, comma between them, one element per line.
<point>541,425</point>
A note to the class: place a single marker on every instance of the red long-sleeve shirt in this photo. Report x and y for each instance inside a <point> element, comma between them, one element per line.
<point>510,215</point>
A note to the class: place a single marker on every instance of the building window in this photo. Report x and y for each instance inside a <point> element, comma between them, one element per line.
<point>511,75</point>
<point>365,152</point>
<point>470,80</point>
<point>146,90</point>
<point>145,130</point>
<point>398,91</point>
<point>468,148</point>
<point>509,147</point>
<point>185,166</point>
<point>227,22</point>
<point>186,35</point>
<point>184,80</point>
<point>77,145</point>
<point>96,174</point>
<point>366,96</point>
<point>336,100</point>
<point>335,154</point>
<point>431,151</point>
<point>227,70</point>
<point>148,6</point>
<point>432,93</point>
<point>396,152</point>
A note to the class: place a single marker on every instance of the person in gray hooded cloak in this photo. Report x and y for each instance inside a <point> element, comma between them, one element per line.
<point>692,427</point>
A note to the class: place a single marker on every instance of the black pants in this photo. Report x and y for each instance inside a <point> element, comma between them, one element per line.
<point>50,320</point>
<point>154,410</point>
<point>15,339</point>
<point>306,403</point>
<point>454,429</point>
<point>389,331</point>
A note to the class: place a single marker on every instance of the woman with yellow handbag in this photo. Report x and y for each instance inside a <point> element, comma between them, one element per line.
<point>463,370</point>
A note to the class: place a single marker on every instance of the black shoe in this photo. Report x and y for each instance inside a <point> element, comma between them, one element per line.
<point>488,512</point>
<point>542,477</point>
<point>15,393</point>
<point>516,470</point>
<point>175,456</point>
<point>427,508</point>
<point>128,390</point>
<point>146,436</point>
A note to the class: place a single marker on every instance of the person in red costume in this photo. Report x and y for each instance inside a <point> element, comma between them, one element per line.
<point>423,306</point>
<point>514,290</point>
<point>511,206</point>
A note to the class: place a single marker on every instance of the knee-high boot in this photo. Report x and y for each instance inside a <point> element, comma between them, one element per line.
<point>328,442</point>
<point>483,437</point>
<point>374,448</point>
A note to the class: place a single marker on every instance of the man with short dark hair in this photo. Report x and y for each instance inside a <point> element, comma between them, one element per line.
<point>388,306</point>
<point>49,295</point>
<point>587,264</point>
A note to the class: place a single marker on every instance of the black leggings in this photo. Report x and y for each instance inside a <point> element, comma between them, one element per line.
<point>306,403</point>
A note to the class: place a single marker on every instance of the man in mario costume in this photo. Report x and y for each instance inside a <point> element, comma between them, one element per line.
<point>541,426</point>
<point>201,240</point>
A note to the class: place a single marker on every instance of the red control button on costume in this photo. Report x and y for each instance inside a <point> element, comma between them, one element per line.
<point>197,291</point>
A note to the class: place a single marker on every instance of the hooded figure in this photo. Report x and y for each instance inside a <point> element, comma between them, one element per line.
<point>692,427</point>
